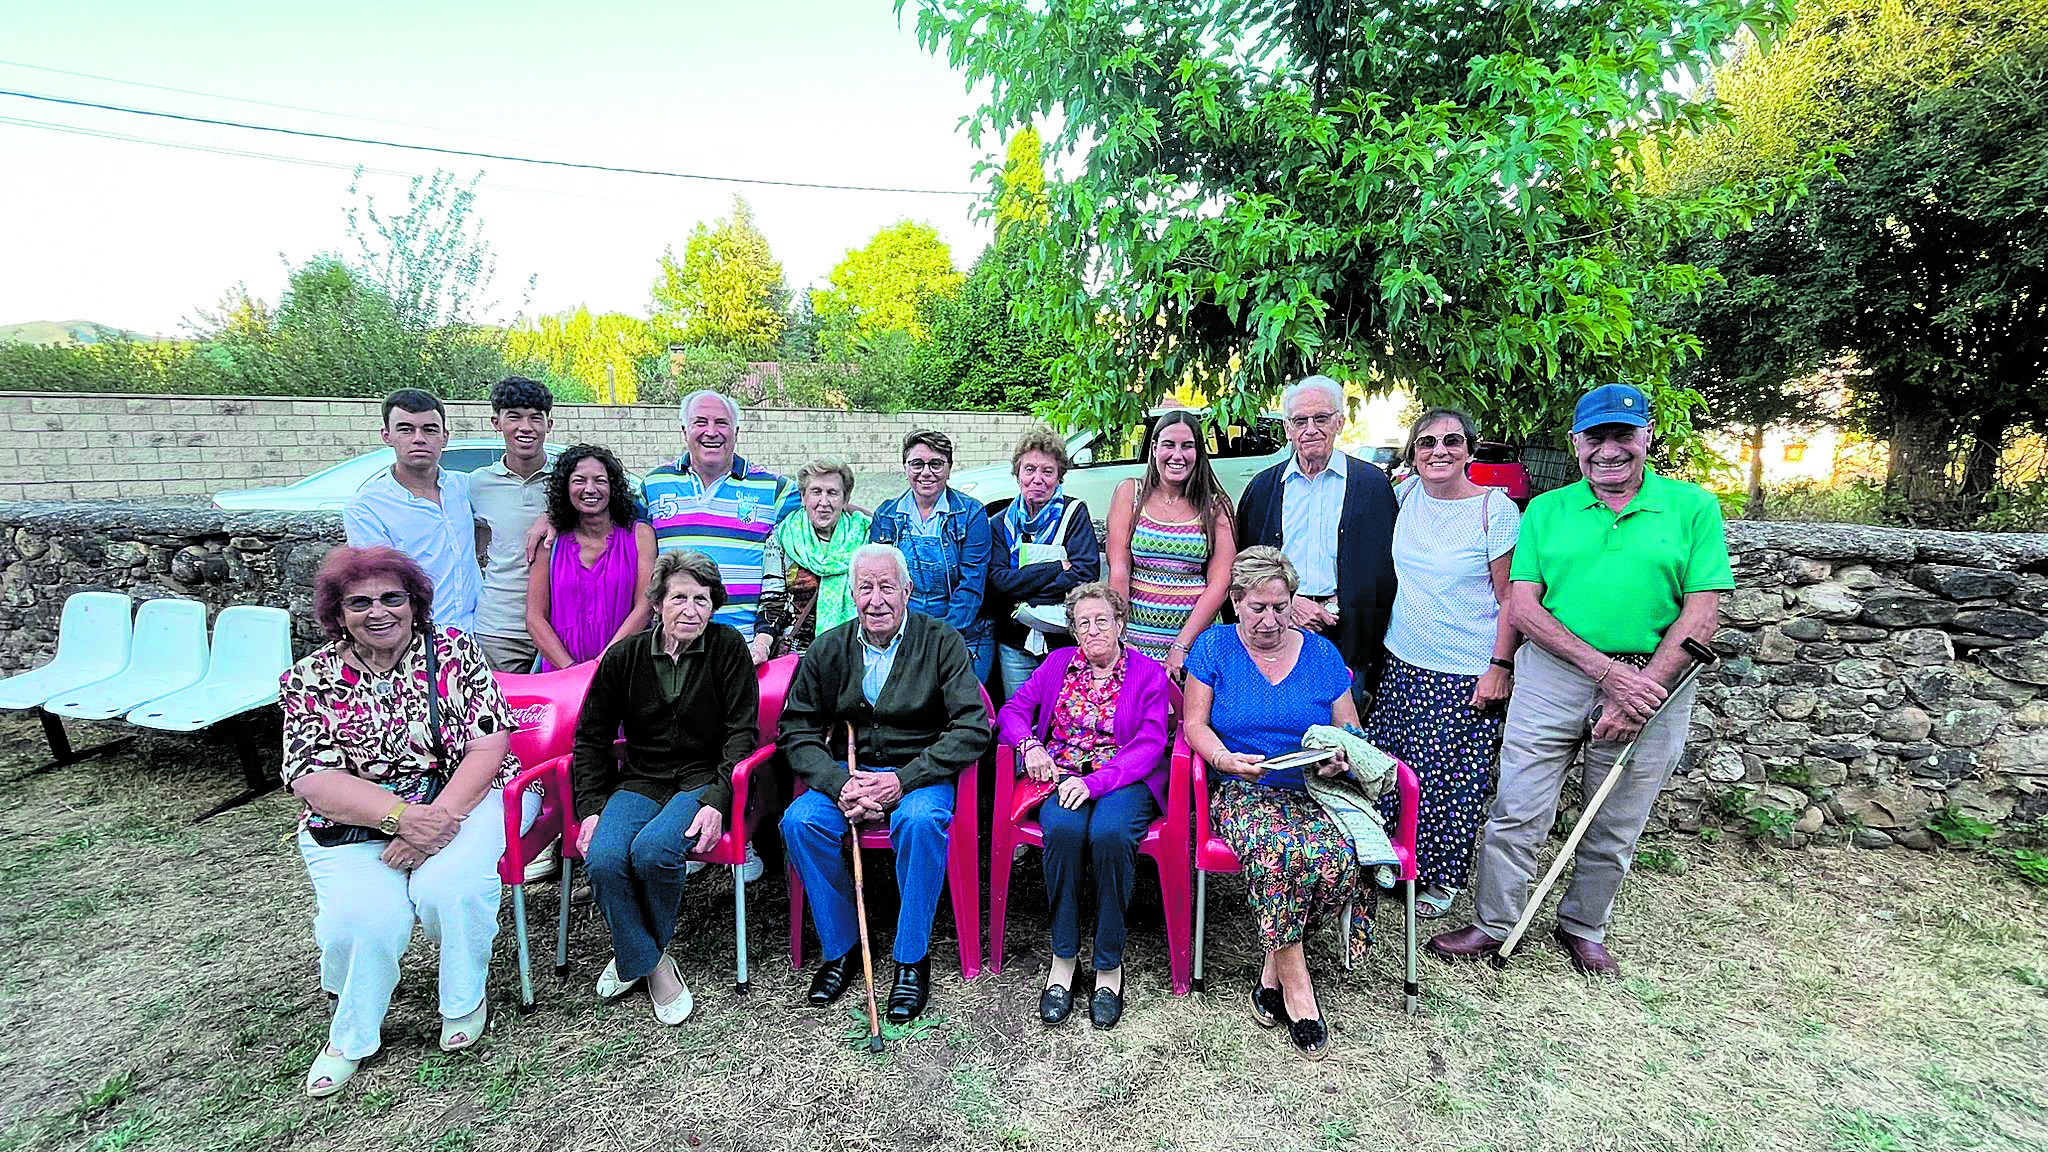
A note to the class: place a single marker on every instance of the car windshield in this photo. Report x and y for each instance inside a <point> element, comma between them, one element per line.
<point>1128,445</point>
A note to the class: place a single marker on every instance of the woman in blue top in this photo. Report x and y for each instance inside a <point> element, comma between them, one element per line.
<point>943,533</point>
<point>1253,689</point>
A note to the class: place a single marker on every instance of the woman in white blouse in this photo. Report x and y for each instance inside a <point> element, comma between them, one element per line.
<point>1450,648</point>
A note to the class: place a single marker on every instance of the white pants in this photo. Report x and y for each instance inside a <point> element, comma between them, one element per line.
<point>367,909</point>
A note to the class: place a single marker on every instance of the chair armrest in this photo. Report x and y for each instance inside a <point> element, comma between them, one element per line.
<point>557,816</point>
<point>1006,779</point>
<point>742,783</point>
<point>1410,789</point>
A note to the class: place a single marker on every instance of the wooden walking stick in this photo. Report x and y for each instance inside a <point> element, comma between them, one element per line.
<point>1702,656</point>
<point>860,907</point>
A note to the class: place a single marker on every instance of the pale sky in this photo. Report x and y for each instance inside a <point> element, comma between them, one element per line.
<point>138,235</point>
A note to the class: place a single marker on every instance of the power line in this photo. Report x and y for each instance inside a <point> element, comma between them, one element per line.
<point>474,154</point>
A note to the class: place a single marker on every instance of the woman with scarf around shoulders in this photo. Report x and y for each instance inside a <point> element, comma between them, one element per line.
<point>1253,690</point>
<point>403,815</point>
<point>804,592</point>
<point>1090,726</point>
<point>1042,547</point>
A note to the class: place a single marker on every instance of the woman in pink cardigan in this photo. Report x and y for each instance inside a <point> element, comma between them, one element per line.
<point>1090,724</point>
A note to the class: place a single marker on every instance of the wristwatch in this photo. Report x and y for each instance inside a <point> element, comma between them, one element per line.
<point>389,824</point>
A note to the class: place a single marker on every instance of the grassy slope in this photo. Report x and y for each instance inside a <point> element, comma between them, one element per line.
<point>160,992</point>
<point>64,332</point>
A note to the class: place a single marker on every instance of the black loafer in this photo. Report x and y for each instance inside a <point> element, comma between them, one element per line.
<point>1105,1009</point>
<point>1310,1037</point>
<point>831,980</point>
<point>1055,1004</point>
<point>1269,1007</point>
<point>912,991</point>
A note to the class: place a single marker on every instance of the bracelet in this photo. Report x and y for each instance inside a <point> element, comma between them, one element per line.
<point>1176,646</point>
<point>1604,671</point>
<point>1498,662</point>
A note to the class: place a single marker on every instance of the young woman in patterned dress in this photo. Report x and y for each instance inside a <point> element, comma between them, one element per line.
<point>1171,544</point>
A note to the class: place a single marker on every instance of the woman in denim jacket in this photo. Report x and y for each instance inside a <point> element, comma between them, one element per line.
<point>944,534</point>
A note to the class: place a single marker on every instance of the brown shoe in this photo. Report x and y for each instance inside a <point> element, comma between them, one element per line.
<point>1588,956</point>
<point>1468,943</point>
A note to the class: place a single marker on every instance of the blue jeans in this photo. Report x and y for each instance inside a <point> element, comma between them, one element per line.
<point>1017,666</point>
<point>813,829</point>
<point>636,863</point>
<point>1105,832</point>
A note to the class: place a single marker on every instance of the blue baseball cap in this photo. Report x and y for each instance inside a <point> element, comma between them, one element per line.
<point>1611,404</point>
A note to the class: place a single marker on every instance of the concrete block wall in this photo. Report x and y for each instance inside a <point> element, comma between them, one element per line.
<point>87,446</point>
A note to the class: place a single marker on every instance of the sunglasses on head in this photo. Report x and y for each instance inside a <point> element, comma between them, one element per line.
<point>1429,443</point>
<point>388,599</point>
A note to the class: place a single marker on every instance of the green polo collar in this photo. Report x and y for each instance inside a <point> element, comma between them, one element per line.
<point>1653,496</point>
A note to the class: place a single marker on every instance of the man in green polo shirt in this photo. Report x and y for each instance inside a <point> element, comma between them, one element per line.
<point>1611,576</point>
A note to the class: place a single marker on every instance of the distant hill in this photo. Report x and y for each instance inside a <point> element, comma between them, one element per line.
<point>66,332</point>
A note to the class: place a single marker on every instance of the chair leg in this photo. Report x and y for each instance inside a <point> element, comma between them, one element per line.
<point>1201,923</point>
<point>1344,933</point>
<point>964,878</point>
<point>1173,892</point>
<point>562,928</point>
<point>1413,987</point>
<point>739,912</point>
<point>63,755</point>
<point>254,783</point>
<point>796,913</point>
<point>519,934</point>
<point>998,893</point>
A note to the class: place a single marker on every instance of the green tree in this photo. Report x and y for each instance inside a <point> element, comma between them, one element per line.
<point>879,287</point>
<point>1914,264</point>
<point>1446,193</point>
<point>604,356</point>
<point>726,292</point>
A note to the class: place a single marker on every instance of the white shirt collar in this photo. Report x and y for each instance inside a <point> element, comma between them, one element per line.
<point>1336,465</point>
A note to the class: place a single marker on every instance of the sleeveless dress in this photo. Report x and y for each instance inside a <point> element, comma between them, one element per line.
<point>587,605</point>
<point>1169,566</point>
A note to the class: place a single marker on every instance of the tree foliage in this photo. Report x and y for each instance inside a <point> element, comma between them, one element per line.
<point>602,357</point>
<point>726,292</point>
<point>1446,193</point>
<point>879,287</point>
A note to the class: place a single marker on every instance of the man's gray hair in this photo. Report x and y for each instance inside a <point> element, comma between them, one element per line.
<point>1328,385</point>
<point>889,552</point>
<point>731,409</point>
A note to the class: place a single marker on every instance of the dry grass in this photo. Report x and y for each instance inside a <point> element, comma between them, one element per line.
<point>158,991</point>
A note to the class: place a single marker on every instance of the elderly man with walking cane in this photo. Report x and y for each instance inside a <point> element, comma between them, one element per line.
<point>906,684</point>
<point>1612,578</point>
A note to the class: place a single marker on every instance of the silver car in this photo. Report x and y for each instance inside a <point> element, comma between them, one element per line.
<point>328,489</point>
<point>1102,461</point>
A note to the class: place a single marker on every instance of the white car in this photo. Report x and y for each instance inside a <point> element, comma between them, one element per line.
<point>1102,461</point>
<point>328,489</point>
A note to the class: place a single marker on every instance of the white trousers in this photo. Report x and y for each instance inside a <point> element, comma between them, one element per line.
<point>367,909</point>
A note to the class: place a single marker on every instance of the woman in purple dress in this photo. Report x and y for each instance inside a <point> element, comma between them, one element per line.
<point>593,589</point>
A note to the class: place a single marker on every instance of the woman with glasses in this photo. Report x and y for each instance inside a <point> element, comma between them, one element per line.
<point>944,534</point>
<point>1171,543</point>
<point>1090,726</point>
<point>1450,649</point>
<point>401,818</point>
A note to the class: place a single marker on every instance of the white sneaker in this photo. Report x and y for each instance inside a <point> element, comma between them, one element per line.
<point>753,868</point>
<point>545,865</point>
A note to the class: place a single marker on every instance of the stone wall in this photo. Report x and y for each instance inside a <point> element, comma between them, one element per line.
<point>1872,676</point>
<point>79,446</point>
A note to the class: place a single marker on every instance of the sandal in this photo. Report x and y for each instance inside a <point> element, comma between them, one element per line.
<point>1432,902</point>
<point>464,1031</point>
<point>332,1067</point>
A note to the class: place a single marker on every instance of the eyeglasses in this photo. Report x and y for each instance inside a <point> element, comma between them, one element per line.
<point>1320,420</point>
<point>1095,624</point>
<point>1429,443</point>
<point>927,465</point>
<point>388,599</point>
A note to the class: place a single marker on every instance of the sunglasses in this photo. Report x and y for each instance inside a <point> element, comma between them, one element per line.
<point>388,599</point>
<point>1429,443</point>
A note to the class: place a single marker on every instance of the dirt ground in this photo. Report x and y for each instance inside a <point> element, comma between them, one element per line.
<point>158,990</point>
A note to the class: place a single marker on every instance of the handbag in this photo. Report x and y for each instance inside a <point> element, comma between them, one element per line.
<point>335,835</point>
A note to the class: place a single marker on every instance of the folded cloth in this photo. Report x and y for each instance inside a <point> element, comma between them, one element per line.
<point>1350,799</point>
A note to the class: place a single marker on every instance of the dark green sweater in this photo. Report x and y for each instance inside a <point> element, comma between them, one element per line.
<point>928,724</point>
<point>671,746</point>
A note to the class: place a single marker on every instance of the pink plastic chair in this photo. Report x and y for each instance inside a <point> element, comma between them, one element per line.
<point>963,869</point>
<point>1165,841</point>
<point>1213,855</point>
<point>544,707</point>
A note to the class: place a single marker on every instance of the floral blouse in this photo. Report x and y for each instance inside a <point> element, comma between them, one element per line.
<point>340,718</point>
<point>1082,736</point>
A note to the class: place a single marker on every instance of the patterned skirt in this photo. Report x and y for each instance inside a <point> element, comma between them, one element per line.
<point>1424,717</point>
<point>1297,865</point>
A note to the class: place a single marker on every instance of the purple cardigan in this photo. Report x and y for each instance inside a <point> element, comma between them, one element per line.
<point>1139,724</point>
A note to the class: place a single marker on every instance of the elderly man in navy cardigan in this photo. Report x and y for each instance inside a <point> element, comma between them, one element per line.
<point>1333,514</point>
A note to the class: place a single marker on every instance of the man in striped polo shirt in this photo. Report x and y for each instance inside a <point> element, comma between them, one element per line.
<point>711,500</point>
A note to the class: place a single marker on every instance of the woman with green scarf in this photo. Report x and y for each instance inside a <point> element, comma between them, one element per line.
<point>803,566</point>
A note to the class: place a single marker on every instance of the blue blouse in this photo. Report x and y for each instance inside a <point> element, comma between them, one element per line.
<point>1255,717</point>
